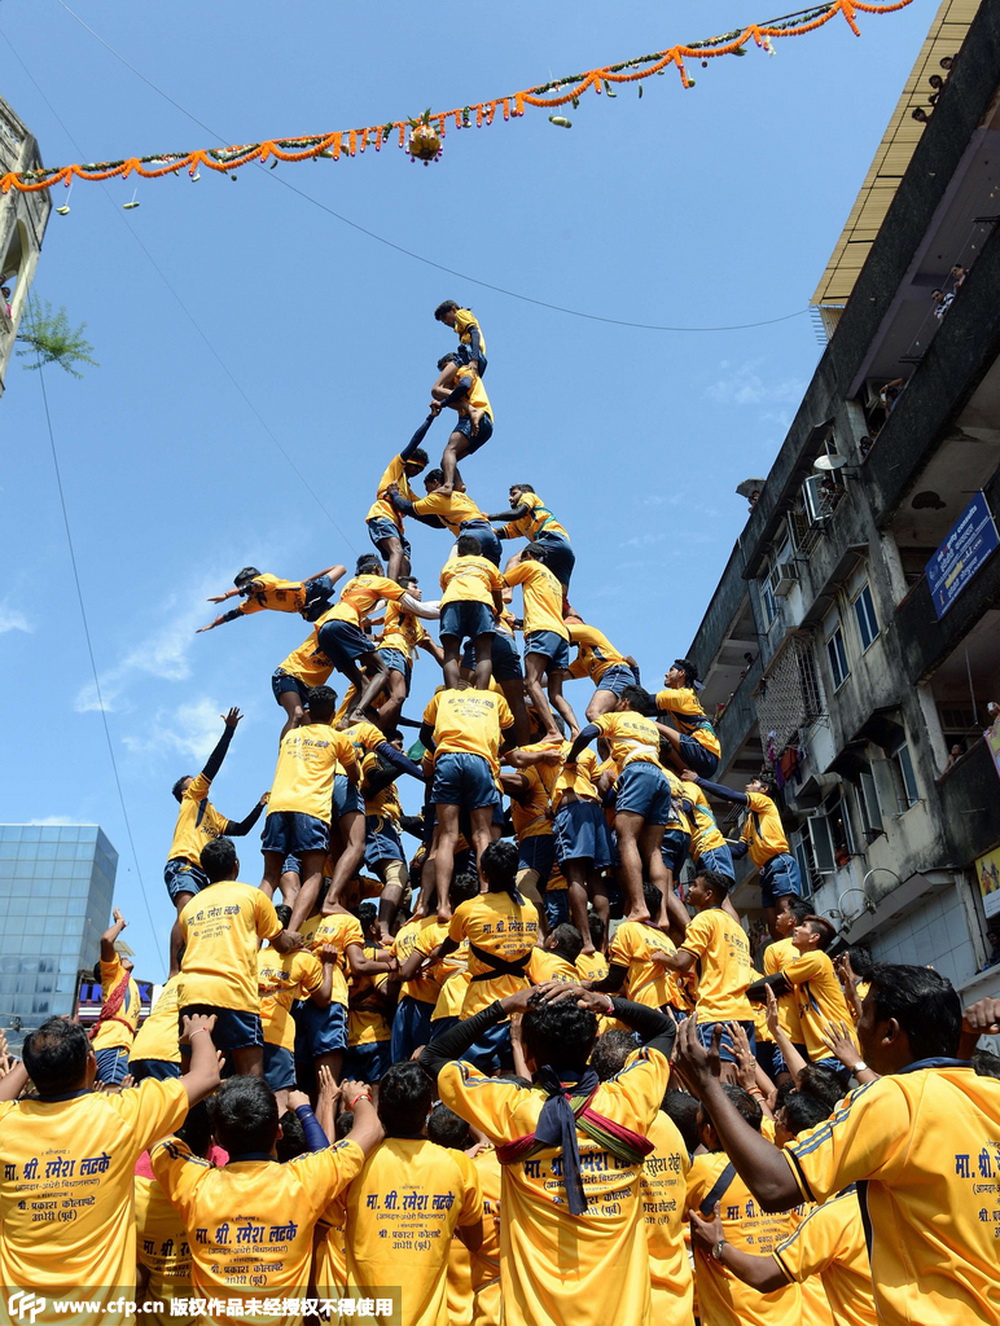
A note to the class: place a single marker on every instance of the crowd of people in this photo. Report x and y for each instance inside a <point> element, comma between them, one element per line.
<point>516,1070</point>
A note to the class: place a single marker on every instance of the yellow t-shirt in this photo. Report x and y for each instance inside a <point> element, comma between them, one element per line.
<point>382,508</point>
<point>250,1224</point>
<point>452,509</point>
<point>430,931</point>
<point>925,1140</point>
<point>198,822</point>
<point>818,999</point>
<point>592,966</point>
<point>309,758</point>
<point>830,1243</point>
<point>476,396</point>
<point>494,923</point>
<point>762,831</point>
<point>544,965</point>
<point>308,664</point>
<point>469,722</point>
<point>543,597</point>
<point>539,520</point>
<point>580,778</point>
<point>679,821</point>
<point>359,596</point>
<point>647,982</point>
<point>591,1269</point>
<point>365,737</point>
<point>162,1250</point>
<point>77,1155</point>
<point>470,579</point>
<point>664,1207</point>
<point>276,595</point>
<point>630,736</point>
<point>119,1030</point>
<point>157,1037</point>
<point>369,1017</point>
<point>596,653</point>
<point>401,630</point>
<point>385,803</point>
<point>529,811</point>
<point>281,979</point>
<point>452,995</point>
<point>724,1299</point>
<point>221,926</point>
<point>340,930</point>
<point>402,1210</point>
<point>684,707</point>
<point>705,833</point>
<point>486,1258</point>
<point>724,971</point>
<point>465,320</point>
<point>777,957</point>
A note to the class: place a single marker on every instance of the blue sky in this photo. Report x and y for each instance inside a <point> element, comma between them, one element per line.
<point>261,359</point>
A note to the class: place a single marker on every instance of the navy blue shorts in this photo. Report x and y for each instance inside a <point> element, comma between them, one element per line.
<point>552,645</point>
<point>615,679</point>
<point>160,1070</point>
<point>726,1052</point>
<point>537,854</point>
<point>702,761</point>
<point>396,661</point>
<point>282,682</point>
<point>292,865</point>
<point>643,790</point>
<point>464,355</point>
<point>485,535</point>
<point>467,620</point>
<point>580,832</point>
<point>343,643</point>
<point>279,1067</point>
<point>719,859</point>
<point>367,1063</point>
<point>483,433</point>
<point>780,878</point>
<point>233,1030</point>
<point>463,779</point>
<point>493,1051</point>
<point>381,528</point>
<point>181,876</point>
<point>112,1065</point>
<point>346,796</point>
<point>556,904</point>
<point>382,841</point>
<point>290,833</point>
<point>319,1030</point>
<point>674,849</point>
<point>561,557</point>
<point>506,659</point>
<point>410,1027</point>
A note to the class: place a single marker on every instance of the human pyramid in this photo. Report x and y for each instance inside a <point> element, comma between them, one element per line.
<point>519,1078</point>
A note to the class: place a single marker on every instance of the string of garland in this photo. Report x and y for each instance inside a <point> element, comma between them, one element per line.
<point>423,136</point>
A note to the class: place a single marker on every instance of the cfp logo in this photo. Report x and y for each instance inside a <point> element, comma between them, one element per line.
<point>25,1307</point>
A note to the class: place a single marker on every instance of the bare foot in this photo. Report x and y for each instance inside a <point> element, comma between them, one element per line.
<point>638,913</point>
<point>444,913</point>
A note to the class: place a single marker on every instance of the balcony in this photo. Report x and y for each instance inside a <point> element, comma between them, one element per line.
<point>970,802</point>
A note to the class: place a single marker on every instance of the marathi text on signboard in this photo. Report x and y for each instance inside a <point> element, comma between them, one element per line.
<point>970,542</point>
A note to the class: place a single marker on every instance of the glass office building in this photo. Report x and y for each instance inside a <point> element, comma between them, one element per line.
<point>56,888</point>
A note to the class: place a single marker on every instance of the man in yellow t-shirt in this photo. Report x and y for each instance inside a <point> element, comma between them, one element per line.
<point>918,1138</point>
<point>716,945</point>
<point>283,979</point>
<point>597,658</point>
<point>261,591</point>
<point>472,346</point>
<point>529,518</point>
<point>454,510</point>
<point>584,1204</point>
<point>385,524</point>
<point>462,728</point>
<point>725,1298</point>
<point>409,1199</point>
<point>250,1224</point>
<point>819,998</point>
<point>155,1051</point>
<point>460,388</point>
<point>546,637</point>
<point>304,800</point>
<point>114,1030</point>
<point>402,635</point>
<point>693,743</point>
<point>221,929</point>
<point>470,606</point>
<point>371,1004</point>
<point>634,969</point>
<point>70,1149</point>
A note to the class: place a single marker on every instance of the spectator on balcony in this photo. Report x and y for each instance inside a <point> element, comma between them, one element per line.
<point>942,302</point>
<point>5,291</point>
<point>958,275</point>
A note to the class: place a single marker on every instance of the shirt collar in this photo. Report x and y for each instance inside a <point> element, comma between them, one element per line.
<point>936,1063</point>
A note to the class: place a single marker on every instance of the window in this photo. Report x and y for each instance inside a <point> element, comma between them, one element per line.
<point>837,654</point>
<point>768,603</point>
<point>868,804</point>
<point>864,612</point>
<point>905,778</point>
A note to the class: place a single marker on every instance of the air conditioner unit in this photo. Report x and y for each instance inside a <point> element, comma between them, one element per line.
<point>783,578</point>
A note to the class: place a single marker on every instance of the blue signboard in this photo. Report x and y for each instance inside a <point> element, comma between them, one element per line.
<point>970,542</point>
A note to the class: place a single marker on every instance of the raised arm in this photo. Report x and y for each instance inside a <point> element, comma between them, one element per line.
<point>716,789</point>
<point>508,517</point>
<point>334,572</point>
<point>415,441</point>
<point>214,762</point>
<point>587,735</point>
<point>240,828</point>
<point>117,925</point>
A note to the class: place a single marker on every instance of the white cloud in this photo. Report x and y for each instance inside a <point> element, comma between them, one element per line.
<point>51,821</point>
<point>743,385</point>
<point>192,729</point>
<point>643,540</point>
<point>12,620</point>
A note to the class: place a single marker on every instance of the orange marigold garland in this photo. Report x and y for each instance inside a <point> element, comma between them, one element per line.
<point>423,138</point>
